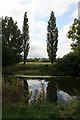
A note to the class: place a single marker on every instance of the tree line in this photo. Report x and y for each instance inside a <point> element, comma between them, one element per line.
<point>14,42</point>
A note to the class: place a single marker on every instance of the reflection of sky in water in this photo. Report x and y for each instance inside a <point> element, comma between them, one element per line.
<point>36,84</point>
<point>63,97</point>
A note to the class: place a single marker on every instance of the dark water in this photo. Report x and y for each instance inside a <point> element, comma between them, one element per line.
<point>58,89</point>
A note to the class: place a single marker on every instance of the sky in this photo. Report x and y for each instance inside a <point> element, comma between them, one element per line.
<point>38,12</point>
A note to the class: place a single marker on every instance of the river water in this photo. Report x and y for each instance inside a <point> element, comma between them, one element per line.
<point>59,89</point>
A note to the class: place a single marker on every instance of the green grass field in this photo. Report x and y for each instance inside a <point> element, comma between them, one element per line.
<point>30,68</point>
<point>33,70</point>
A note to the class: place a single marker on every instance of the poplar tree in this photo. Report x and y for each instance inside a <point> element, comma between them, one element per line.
<point>52,38</point>
<point>26,44</point>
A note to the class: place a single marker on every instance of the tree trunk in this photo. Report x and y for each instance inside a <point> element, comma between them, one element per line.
<point>24,59</point>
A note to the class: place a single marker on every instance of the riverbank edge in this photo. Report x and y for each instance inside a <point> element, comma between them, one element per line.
<point>43,77</point>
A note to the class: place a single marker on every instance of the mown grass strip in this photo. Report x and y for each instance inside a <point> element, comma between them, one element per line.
<point>39,76</point>
<point>36,63</point>
<point>34,76</point>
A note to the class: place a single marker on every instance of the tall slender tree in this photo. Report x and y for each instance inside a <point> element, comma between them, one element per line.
<point>52,38</point>
<point>26,44</point>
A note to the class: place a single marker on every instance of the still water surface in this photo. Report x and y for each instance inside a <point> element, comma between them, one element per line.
<point>60,89</point>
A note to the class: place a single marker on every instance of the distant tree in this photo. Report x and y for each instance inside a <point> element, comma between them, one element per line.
<point>11,41</point>
<point>26,44</point>
<point>52,38</point>
<point>74,35</point>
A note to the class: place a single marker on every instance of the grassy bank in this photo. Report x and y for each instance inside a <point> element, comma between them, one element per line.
<point>15,105</point>
<point>38,110</point>
<point>36,63</point>
<point>34,69</point>
<point>30,68</point>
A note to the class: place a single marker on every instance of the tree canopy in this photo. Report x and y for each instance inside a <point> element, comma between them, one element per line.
<point>52,38</point>
<point>11,41</point>
<point>74,35</point>
<point>26,44</point>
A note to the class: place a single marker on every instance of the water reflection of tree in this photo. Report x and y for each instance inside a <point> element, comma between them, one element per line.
<point>68,84</point>
<point>52,92</point>
<point>26,88</point>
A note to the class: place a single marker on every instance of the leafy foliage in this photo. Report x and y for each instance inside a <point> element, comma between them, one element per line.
<point>68,65</point>
<point>25,37</point>
<point>74,35</point>
<point>11,41</point>
<point>52,38</point>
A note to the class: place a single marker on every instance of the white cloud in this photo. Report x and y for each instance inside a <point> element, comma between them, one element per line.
<point>75,13</point>
<point>41,9</point>
<point>44,7</point>
<point>37,49</point>
<point>64,43</point>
